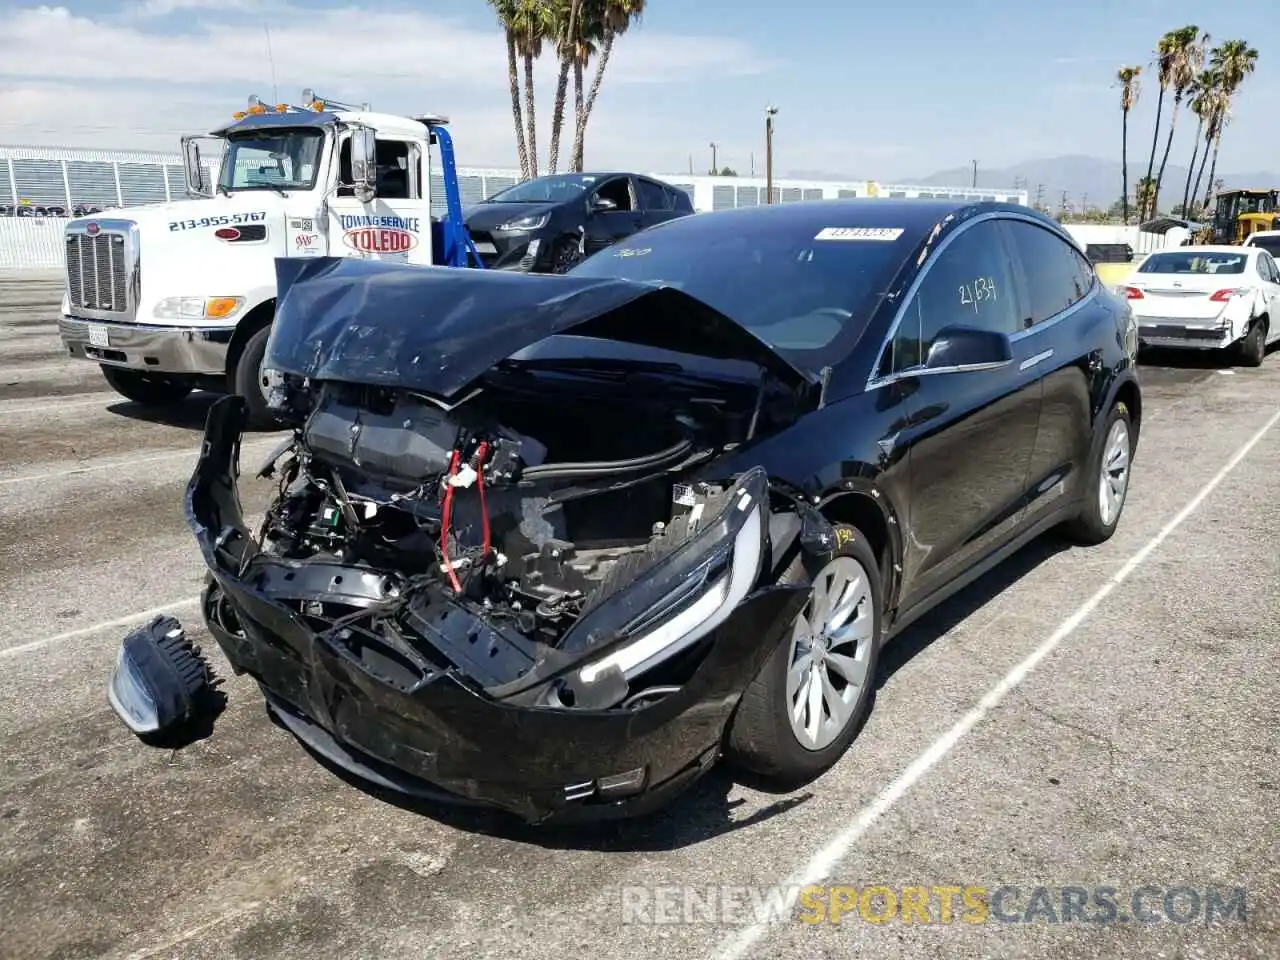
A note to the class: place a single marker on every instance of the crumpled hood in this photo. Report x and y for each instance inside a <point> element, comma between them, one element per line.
<point>436,329</point>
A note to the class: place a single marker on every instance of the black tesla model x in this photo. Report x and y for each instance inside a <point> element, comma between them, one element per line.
<point>559,543</point>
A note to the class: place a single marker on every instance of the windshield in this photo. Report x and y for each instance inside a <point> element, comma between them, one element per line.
<point>807,298</point>
<point>1269,244</point>
<point>545,189</point>
<point>1194,263</point>
<point>287,160</point>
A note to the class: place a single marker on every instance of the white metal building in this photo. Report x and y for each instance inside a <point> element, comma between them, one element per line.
<point>41,183</point>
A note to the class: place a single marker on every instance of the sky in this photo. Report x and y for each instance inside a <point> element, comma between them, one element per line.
<point>864,90</point>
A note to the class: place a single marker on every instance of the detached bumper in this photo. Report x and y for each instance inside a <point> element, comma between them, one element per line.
<point>426,726</point>
<point>1195,336</point>
<point>144,346</point>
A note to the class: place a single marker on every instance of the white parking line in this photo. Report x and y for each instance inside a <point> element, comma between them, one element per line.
<point>125,621</point>
<point>126,462</point>
<point>825,860</point>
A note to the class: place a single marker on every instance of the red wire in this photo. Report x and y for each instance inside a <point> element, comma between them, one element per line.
<point>444,525</point>
<point>484,509</point>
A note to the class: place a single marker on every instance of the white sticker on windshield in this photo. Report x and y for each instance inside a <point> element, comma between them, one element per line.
<point>859,233</point>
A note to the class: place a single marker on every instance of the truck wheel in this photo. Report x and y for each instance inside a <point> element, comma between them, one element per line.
<point>799,715</point>
<point>1253,348</point>
<point>246,379</point>
<point>149,389</point>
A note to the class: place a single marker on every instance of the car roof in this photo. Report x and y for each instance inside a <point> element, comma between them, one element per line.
<point>1261,233</point>
<point>915,217</point>
<point>1204,248</point>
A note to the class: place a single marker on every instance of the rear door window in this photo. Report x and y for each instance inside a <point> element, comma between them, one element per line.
<point>1055,275</point>
<point>652,196</point>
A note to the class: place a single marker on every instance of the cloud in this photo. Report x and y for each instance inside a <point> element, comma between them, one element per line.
<point>150,70</point>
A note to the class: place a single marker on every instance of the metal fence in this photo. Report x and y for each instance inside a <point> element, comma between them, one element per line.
<point>40,188</point>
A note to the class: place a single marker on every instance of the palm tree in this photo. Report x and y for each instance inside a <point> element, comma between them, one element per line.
<point>1130,87</point>
<point>507,13</point>
<point>615,16</point>
<point>1234,61</point>
<point>532,24</point>
<point>1201,99</point>
<point>1144,192</point>
<point>1216,104</point>
<point>567,29</point>
<point>1187,59</point>
<point>1164,63</point>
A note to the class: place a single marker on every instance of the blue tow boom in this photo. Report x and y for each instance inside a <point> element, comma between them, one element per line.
<point>457,247</point>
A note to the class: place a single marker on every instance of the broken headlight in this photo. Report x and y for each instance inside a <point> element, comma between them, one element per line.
<point>689,593</point>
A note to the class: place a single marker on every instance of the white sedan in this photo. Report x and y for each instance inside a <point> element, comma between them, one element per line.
<point>1207,297</point>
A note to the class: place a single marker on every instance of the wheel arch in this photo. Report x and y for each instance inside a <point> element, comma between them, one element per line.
<point>253,321</point>
<point>866,508</point>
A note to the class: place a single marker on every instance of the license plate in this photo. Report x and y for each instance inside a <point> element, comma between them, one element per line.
<point>486,248</point>
<point>98,337</point>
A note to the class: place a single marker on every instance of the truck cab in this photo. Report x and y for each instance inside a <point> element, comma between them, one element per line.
<point>173,297</point>
<point>1242,212</point>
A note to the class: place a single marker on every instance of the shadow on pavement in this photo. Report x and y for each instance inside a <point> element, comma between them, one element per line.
<point>706,810</point>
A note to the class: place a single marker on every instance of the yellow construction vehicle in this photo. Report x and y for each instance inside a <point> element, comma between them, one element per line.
<point>1242,212</point>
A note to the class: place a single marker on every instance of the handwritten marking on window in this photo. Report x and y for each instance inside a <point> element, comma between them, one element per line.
<point>977,291</point>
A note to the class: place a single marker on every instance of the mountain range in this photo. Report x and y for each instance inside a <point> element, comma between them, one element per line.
<point>1083,179</point>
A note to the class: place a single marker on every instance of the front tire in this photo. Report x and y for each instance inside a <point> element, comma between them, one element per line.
<point>148,389</point>
<point>1110,467</point>
<point>807,704</point>
<point>565,255</point>
<point>247,381</point>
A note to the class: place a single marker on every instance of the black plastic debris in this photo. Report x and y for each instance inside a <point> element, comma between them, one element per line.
<point>161,683</point>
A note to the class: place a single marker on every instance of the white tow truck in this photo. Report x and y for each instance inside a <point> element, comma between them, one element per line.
<point>173,297</point>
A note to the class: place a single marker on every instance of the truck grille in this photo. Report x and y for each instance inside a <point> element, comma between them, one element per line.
<point>98,272</point>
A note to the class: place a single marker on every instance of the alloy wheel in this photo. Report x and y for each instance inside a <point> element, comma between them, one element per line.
<point>1113,481</point>
<point>830,650</point>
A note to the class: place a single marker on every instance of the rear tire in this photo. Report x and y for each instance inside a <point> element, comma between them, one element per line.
<point>148,389</point>
<point>762,736</point>
<point>1253,348</point>
<point>247,381</point>
<point>1110,466</point>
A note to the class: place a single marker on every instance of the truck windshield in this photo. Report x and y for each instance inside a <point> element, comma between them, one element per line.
<point>286,160</point>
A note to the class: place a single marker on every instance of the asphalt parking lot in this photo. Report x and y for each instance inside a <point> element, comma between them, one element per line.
<point>1081,718</point>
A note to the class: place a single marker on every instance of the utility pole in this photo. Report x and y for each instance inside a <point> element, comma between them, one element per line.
<point>691,164</point>
<point>715,168</point>
<point>1084,203</point>
<point>753,163</point>
<point>1064,201</point>
<point>975,173</point>
<point>769,113</point>
<point>1039,196</point>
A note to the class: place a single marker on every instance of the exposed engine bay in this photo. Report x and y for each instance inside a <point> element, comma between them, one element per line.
<point>536,504</point>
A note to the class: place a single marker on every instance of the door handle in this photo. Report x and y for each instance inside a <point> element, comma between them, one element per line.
<point>1040,357</point>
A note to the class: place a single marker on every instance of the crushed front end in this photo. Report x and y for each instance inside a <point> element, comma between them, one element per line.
<point>448,607</point>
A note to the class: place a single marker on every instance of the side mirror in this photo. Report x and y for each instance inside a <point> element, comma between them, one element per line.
<point>968,348</point>
<point>193,168</point>
<point>602,205</point>
<point>363,163</point>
